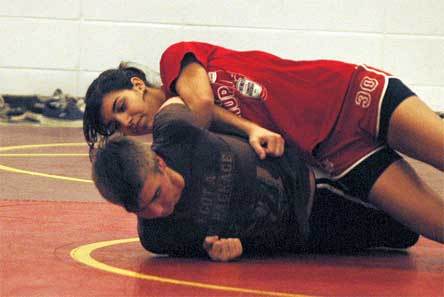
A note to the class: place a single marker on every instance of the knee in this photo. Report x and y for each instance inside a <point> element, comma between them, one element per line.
<point>399,236</point>
<point>439,234</point>
<point>408,240</point>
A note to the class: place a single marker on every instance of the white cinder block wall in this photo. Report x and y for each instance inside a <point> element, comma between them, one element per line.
<point>48,44</point>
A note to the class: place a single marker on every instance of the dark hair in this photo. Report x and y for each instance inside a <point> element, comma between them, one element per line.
<point>108,81</point>
<point>120,169</point>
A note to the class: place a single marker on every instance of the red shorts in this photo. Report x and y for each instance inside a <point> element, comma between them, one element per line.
<point>354,136</point>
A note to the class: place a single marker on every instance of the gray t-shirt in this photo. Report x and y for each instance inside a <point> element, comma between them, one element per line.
<point>229,192</point>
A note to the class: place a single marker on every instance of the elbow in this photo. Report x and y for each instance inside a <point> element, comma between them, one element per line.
<point>204,111</point>
<point>207,104</point>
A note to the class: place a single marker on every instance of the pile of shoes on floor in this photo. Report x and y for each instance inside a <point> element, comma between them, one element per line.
<point>57,110</point>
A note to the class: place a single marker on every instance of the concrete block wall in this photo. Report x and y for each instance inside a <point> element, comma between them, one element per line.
<point>48,44</point>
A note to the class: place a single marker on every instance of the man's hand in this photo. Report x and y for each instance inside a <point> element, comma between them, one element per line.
<point>223,249</point>
<point>264,142</point>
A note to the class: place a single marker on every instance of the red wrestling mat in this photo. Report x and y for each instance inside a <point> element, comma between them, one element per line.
<point>39,238</point>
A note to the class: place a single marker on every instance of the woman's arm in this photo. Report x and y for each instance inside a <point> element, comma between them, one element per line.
<point>193,86</point>
<point>264,142</point>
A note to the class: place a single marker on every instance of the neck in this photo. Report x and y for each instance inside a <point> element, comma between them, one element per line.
<point>156,93</point>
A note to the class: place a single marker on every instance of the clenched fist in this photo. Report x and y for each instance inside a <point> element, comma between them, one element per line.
<point>223,249</point>
<point>265,142</point>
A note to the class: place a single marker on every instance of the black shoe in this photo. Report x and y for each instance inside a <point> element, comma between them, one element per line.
<point>63,110</point>
<point>11,114</point>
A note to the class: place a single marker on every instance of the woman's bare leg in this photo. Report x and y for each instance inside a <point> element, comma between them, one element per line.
<point>401,193</point>
<point>418,132</point>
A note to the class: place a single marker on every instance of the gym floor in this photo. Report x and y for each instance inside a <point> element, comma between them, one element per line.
<point>59,238</point>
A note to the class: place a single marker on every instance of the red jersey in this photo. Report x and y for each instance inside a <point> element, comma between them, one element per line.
<point>300,100</point>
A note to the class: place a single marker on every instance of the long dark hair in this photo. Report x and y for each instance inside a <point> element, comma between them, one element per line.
<point>108,81</point>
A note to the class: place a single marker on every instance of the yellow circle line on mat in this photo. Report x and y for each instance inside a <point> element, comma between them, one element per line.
<point>82,254</point>
<point>32,146</point>
<point>15,170</point>
<point>34,173</point>
<point>44,155</point>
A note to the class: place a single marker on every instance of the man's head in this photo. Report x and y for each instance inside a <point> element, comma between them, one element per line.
<point>120,100</point>
<point>128,173</point>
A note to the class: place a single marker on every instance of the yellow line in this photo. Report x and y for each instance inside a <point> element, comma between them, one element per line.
<point>31,146</point>
<point>44,155</point>
<point>15,170</point>
<point>82,254</point>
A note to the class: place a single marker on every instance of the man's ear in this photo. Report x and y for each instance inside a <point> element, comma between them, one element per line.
<point>138,84</point>
<point>161,163</point>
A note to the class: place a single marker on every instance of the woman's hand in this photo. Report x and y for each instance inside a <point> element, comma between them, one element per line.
<point>265,142</point>
<point>223,249</point>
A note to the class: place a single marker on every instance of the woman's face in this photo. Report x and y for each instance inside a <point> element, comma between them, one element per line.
<point>130,111</point>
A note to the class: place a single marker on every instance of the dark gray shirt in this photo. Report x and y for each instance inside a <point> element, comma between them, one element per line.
<point>228,192</point>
